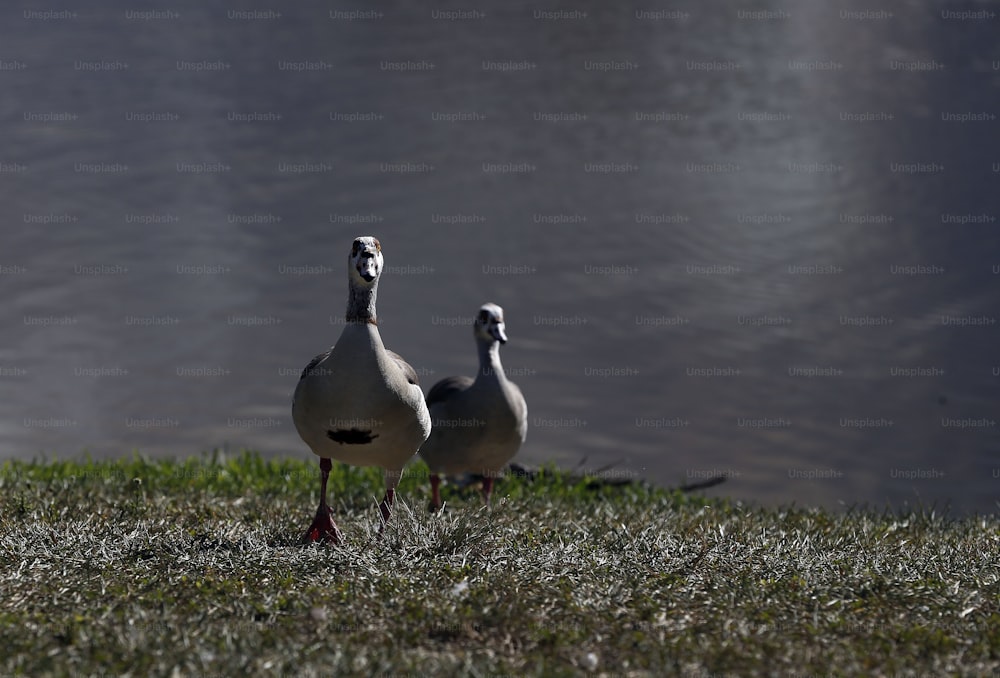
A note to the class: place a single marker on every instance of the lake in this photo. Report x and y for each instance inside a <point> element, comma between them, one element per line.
<point>759,243</point>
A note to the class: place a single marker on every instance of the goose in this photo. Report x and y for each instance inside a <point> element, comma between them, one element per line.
<point>478,425</point>
<point>359,402</point>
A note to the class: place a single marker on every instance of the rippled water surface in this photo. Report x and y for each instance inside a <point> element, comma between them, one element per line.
<point>762,244</point>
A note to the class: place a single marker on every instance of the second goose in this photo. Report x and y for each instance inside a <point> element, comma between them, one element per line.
<point>478,424</point>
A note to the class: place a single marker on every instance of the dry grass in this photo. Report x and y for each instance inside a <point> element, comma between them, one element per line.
<point>193,568</point>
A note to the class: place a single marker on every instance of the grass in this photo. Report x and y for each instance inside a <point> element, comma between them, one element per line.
<point>193,568</point>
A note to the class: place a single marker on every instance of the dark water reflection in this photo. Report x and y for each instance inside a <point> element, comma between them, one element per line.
<point>657,204</point>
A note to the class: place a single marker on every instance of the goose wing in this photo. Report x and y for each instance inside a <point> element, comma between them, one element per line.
<point>313,363</point>
<point>448,387</point>
<point>404,367</point>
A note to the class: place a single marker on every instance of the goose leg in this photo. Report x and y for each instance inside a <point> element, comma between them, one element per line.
<point>391,481</point>
<point>323,528</point>
<point>487,488</point>
<point>435,492</point>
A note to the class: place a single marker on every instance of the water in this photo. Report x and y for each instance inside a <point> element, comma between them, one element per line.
<point>717,251</point>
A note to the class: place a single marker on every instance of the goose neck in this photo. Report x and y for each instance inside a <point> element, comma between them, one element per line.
<point>489,360</point>
<point>361,302</point>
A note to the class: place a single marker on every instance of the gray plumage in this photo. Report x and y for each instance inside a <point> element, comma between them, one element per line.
<point>359,402</point>
<point>478,425</point>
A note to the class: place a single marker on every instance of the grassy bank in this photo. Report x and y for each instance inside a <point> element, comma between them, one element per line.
<point>147,567</point>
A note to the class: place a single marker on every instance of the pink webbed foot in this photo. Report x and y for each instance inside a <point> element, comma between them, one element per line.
<point>323,529</point>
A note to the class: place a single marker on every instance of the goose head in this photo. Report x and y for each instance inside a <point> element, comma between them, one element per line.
<point>489,325</point>
<point>365,261</point>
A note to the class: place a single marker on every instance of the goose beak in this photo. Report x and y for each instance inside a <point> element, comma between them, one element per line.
<point>497,332</point>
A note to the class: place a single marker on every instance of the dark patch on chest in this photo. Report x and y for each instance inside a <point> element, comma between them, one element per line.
<point>351,436</point>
